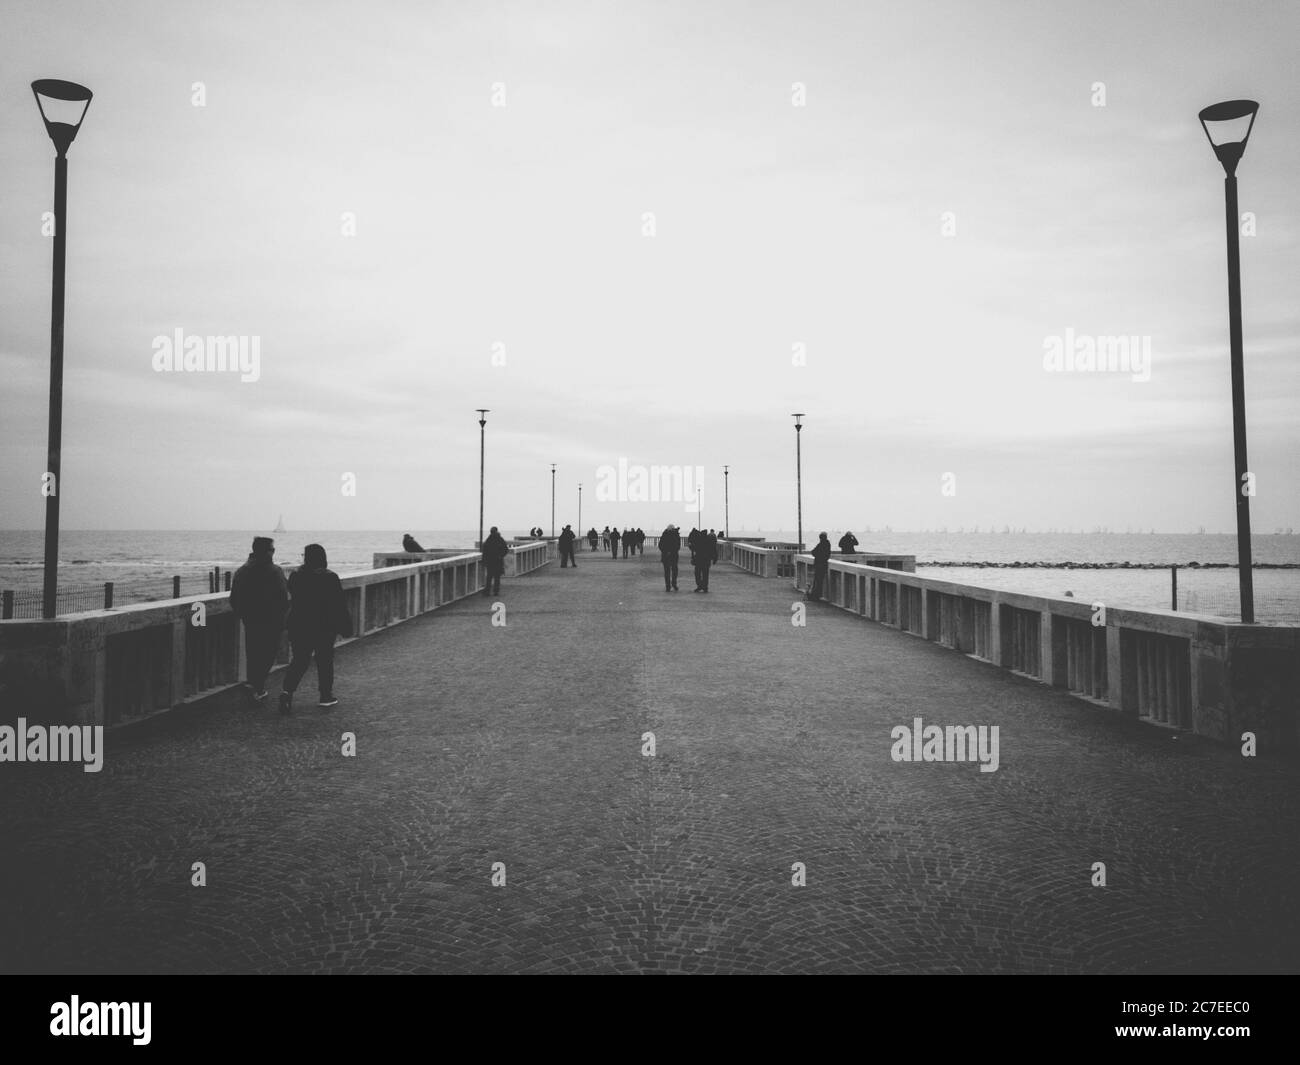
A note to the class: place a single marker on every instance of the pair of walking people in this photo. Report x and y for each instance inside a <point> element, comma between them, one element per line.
<point>704,552</point>
<point>310,604</point>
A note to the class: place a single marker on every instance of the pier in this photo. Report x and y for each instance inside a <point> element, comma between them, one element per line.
<point>503,811</point>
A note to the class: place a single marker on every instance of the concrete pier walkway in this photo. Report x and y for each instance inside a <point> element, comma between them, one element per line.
<point>522,744</point>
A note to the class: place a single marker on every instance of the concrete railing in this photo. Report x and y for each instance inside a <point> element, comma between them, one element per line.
<point>525,556</point>
<point>107,667</point>
<point>1207,675</point>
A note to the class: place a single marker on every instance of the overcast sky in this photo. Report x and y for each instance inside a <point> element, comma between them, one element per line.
<point>796,162</point>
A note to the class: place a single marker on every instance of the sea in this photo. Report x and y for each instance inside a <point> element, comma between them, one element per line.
<point>1120,569</point>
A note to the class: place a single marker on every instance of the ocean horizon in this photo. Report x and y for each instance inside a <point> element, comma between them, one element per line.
<point>1123,569</point>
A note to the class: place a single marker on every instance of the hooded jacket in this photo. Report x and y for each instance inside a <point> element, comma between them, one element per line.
<point>259,594</point>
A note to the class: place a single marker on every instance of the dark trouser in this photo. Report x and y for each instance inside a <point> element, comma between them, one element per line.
<point>566,556</point>
<point>306,645</point>
<point>626,546</point>
<point>492,584</point>
<point>702,574</point>
<point>614,548</point>
<point>819,580</point>
<point>261,642</point>
<point>670,570</point>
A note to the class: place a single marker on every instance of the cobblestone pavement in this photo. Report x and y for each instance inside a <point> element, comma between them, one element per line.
<point>523,744</point>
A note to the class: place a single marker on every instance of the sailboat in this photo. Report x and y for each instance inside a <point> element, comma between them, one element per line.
<point>279,524</point>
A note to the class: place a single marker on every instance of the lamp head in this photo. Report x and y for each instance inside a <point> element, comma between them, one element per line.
<point>63,106</point>
<point>1227,126</point>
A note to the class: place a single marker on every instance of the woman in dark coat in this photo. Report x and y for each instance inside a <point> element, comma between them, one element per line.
<point>318,614</point>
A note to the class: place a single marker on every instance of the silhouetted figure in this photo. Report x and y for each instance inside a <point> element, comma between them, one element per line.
<point>604,538</point>
<point>640,540</point>
<point>613,541</point>
<point>592,537</point>
<point>410,543</point>
<point>670,545</point>
<point>318,615</point>
<point>495,550</point>
<point>259,597</point>
<point>566,548</point>
<point>847,543</point>
<point>692,541</point>
<point>706,553</point>
<point>821,563</point>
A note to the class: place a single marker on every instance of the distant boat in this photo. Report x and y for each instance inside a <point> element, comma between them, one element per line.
<point>279,525</point>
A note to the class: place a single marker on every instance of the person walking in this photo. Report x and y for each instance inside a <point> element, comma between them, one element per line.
<point>495,550</point>
<point>566,548</point>
<point>604,539</point>
<point>670,545</point>
<point>259,597</point>
<point>821,563</point>
<point>706,553</point>
<point>613,541</point>
<point>318,615</point>
<point>592,537</point>
<point>847,543</point>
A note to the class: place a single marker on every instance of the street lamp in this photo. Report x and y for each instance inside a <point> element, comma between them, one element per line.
<point>579,505</point>
<point>1232,122</point>
<point>726,504</point>
<point>67,104</point>
<point>482,437</point>
<point>798,471</point>
<point>699,508</point>
<point>552,498</point>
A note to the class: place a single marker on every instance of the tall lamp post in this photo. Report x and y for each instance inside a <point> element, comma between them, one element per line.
<point>482,443</point>
<point>552,498</point>
<point>726,504</point>
<point>67,104</point>
<point>579,505</point>
<point>798,471</point>
<point>1228,140</point>
<point>699,508</point>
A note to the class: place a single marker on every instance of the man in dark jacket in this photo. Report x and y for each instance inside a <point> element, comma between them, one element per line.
<point>847,543</point>
<point>821,563</point>
<point>317,617</point>
<point>567,538</point>
<point>670,544</point>
<point>259,597</point>
<point>706,553</point>
<point>613,541</point>
<point>495,550</point>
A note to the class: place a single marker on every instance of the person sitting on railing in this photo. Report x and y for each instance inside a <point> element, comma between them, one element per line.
<point>821,563</point>
<point>847,543</point>
<point>410,543</point>
<point>259,597</point>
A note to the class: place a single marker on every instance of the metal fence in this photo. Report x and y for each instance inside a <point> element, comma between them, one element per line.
<point>27,602</point>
